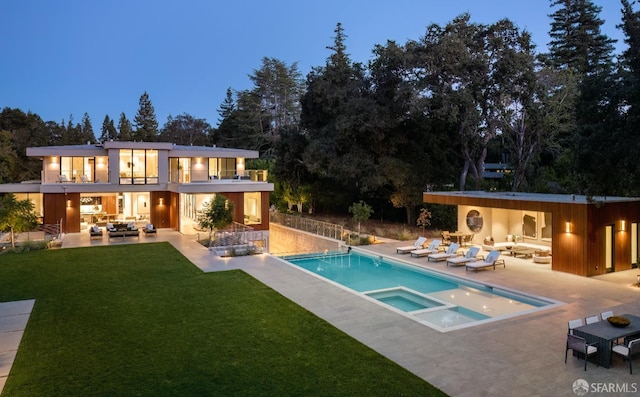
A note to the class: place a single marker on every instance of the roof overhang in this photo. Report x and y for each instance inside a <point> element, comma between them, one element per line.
<point>517,200</point>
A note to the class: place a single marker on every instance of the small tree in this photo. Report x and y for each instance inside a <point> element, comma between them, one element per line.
<point>361,212</point>
<point>217,214</point>
<point>424,219</point>
<point>17,216</point>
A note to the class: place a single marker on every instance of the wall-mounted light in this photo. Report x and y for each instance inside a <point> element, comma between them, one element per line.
<point>144,204</point>
<point>567,227</point>
<point>161,201</point>
<point>623,226</point>
<point>68,203</point>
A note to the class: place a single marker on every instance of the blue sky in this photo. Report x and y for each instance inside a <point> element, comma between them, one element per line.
<point>74,56</point>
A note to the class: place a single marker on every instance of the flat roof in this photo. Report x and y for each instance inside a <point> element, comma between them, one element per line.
<point>540,197</point>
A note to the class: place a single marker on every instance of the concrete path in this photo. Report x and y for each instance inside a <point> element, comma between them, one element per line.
<point>13,321</point>
<point>518,356</point>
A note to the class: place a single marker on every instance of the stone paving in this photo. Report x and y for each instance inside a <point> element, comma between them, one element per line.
<point>13,321</point>
<point>518,356</point>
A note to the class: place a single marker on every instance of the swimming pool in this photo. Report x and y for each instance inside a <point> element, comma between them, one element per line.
<point>441,301</point>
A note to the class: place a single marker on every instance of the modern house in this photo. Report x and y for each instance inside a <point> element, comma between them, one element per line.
<point>587,236</point>
<point>155,182</point>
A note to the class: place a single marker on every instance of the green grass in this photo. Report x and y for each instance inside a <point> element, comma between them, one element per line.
<point>141,319</point>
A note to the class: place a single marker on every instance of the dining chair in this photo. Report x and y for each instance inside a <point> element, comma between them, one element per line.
<point>580,345</point>
<point>628,351</point>
<point>575,324</point>
<point>606,315</point>
<point>592,319</point>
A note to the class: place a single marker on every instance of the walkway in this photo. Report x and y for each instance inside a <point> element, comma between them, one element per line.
<point>523,355</point>
<point>13,321</point>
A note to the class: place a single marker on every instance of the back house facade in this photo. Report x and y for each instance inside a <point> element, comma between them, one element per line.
<point>155,182</point>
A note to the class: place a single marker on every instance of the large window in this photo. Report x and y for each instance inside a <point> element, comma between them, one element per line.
<point>138,167</point>
<point>222,168</point>
<point>83,169</point>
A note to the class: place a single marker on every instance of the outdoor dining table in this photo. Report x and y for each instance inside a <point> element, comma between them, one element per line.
<point>604,334</point>
<point>458,236</point>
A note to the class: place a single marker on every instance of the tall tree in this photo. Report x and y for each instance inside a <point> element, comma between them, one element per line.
<point>25,130</point>
<point>185,129</point>
<point>87,129</point>
<point>337,112</point>
<point>125,132</point>
<point>108,131</point>
<point>468,70</point>
<point>629,77</point>
<point>227,107</point>
<point>578,45</point>
<point>256,119</point>
<point>145,121</point>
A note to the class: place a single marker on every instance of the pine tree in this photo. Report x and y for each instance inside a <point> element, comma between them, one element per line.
<point>125,132</point>
<point>108,132</point>
<point>578,46</point>
<point>576,41</point>
<point>87,129</point>
<point>227,107</point>
<point>145,121</point>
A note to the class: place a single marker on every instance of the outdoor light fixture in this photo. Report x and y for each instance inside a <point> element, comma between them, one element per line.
<point>161,201</point>
<point>68,203</point>
<point>623,226</point>
<point>567,227</point>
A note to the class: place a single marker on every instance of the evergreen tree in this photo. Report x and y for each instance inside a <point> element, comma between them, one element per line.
<point>125,132</point>
<point>145,121</point>
<point>108,132</point>
<point>577,45</point>
<point>337,115</point>
<point>629,170</point>
<point>227,107</point>
<point>87,129</point>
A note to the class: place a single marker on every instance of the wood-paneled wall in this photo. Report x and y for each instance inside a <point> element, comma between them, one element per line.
<point>62,206</point>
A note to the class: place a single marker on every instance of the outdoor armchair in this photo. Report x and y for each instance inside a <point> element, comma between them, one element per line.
<point>580,345</point>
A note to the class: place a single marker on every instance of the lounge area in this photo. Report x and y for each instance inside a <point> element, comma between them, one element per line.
<point>122,230</point>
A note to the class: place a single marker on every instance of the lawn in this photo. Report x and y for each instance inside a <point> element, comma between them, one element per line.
<point>140,319</point>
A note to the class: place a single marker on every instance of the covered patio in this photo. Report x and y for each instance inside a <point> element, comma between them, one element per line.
<point>587,236</point>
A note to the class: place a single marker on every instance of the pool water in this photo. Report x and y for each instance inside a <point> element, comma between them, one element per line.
<point>441,301</point>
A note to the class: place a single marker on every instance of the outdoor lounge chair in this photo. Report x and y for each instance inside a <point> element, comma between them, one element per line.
<point>431,249</point>
<point>470,256</point>
<point>490,261</point>
<point>442,256</point>
<point>408,248</point>
<point>580,345</point>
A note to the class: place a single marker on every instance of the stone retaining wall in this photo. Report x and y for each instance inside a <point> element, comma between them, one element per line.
<point>287,241</point>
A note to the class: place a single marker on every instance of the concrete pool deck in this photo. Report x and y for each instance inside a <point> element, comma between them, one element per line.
<point>522,355</point>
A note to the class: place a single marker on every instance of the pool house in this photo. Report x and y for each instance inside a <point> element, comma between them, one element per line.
<point>587,236</point>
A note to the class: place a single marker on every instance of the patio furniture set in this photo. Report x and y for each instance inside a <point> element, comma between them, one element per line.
<point>602,336</point>
<point>122,230</point>
<point>452,255</point>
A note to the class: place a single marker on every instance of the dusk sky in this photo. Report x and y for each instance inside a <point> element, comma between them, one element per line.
<point>70,56</point>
